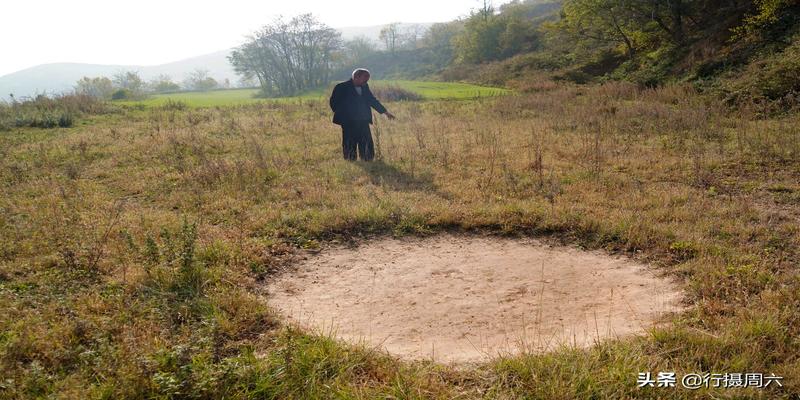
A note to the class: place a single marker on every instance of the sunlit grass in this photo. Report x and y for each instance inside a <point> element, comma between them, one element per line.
<point>444,90</point>
<point>428,90</point>
<point>133,249</point>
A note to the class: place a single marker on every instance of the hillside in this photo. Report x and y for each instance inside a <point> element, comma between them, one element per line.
<point>59,77</point>
<point>744,52</point>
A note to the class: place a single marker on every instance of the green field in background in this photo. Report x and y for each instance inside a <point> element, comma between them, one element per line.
<point>428,90</point>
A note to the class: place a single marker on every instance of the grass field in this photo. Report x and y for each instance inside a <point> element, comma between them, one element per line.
<point>429,90</point>
<point>133,245</point>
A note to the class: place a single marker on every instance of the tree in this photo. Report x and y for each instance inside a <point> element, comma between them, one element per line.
<point>99,87</point>
<point>629,23</point>
<point>521,26</point>
<point>439,40</point>
<point>601,22</point>
<point>163,84</point>
<point>391,37</point>
<point>667,15</point>
<point>480,40</point>
<point>412,35</point>
<point>247,82</point>
<point>486,11</point>
<point>357,49</point>
<point>130,81</point>
<point>200,81</point>
<point>287,58</point>
<point>767,13</point>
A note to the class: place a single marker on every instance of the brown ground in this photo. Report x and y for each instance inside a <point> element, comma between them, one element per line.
<point>464,298</point>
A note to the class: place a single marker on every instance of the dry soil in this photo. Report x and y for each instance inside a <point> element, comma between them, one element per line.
<point>454,298</point>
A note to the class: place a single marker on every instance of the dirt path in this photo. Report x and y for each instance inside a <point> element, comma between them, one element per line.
<point>463,298</point>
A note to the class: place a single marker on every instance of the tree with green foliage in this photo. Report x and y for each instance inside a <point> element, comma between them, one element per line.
<point>599,23</point>
<point>391,37</point>
<point>766,15</point>
<point>480,40</point>
<point>488,35</point>
<point>627,26</point>
<point>412,35</point>
<point>200,81</point>
<point>288,57</point>
<point>163,84</point>
<point>99,87</point>
<point>522,21</point>
<point>438,40</point>
<point>356,50</point>
<point>130,81</point>
<point>122,94</point>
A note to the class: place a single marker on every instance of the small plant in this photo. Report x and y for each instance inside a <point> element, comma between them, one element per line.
<point>172,264</point>
<point>190,275</point>
<point>173,105</point>
<point>65,120</point>
<point>683,250</point>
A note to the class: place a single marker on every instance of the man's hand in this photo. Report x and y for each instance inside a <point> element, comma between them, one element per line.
<point>389,115</point>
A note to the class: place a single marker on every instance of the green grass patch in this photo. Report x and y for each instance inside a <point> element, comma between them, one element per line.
<point>232,97</point>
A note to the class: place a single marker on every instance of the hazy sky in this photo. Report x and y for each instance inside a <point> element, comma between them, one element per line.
<point>149,32</point>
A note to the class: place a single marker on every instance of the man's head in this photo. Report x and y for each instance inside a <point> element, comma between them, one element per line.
<point>360,76</point>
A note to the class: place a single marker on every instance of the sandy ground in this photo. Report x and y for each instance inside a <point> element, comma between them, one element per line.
<point>465,298</point>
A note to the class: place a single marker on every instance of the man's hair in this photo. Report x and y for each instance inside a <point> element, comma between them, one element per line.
<point>359,72</point>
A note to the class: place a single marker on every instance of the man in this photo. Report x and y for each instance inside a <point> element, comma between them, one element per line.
<point>351,101</point>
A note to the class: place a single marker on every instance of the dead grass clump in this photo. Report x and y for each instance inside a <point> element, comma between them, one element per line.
<point>618,90</point>
<point>49,111</point>
<point>241,174</point>
<point>534,84</point>
<point>524,106</point>
<point>395,93</point>
<point>671,94</point>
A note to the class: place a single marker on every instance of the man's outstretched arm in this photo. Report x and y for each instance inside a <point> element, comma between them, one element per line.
<point>374,103</point>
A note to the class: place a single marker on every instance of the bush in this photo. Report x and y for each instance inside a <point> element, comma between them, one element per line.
<point>574,75</point>
<point>774,78</point>
<point>45,119</point>
<point>121,94</point>
<point>173,105</point>
<point>394,93</point>
<point>65,120</point>
<point>48,112</point>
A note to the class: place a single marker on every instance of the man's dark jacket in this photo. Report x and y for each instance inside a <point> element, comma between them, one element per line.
<point>349,106</point>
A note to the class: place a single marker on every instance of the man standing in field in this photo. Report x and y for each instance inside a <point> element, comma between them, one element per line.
<point>351,101</point>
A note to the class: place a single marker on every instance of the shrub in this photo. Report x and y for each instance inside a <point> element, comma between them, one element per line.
<point>395,93</point>
<point>173,105</point>
<point>65,120</point>
<point>49,112</point>
<point>776,77</point>
<point>121,94</point>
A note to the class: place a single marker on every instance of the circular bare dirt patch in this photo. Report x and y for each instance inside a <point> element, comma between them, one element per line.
<point>465,298</point>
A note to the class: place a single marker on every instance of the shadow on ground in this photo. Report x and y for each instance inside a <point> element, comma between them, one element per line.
<point>383,174</point>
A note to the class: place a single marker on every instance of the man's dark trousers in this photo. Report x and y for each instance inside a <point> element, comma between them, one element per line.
<point>356,134</point>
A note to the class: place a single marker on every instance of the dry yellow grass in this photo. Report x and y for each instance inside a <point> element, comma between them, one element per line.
<point>132,246</point>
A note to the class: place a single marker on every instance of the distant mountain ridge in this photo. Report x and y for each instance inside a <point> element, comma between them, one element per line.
<point>60,77</point>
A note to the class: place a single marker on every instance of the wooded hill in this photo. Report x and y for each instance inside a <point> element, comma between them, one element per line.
<point>743,50</point>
